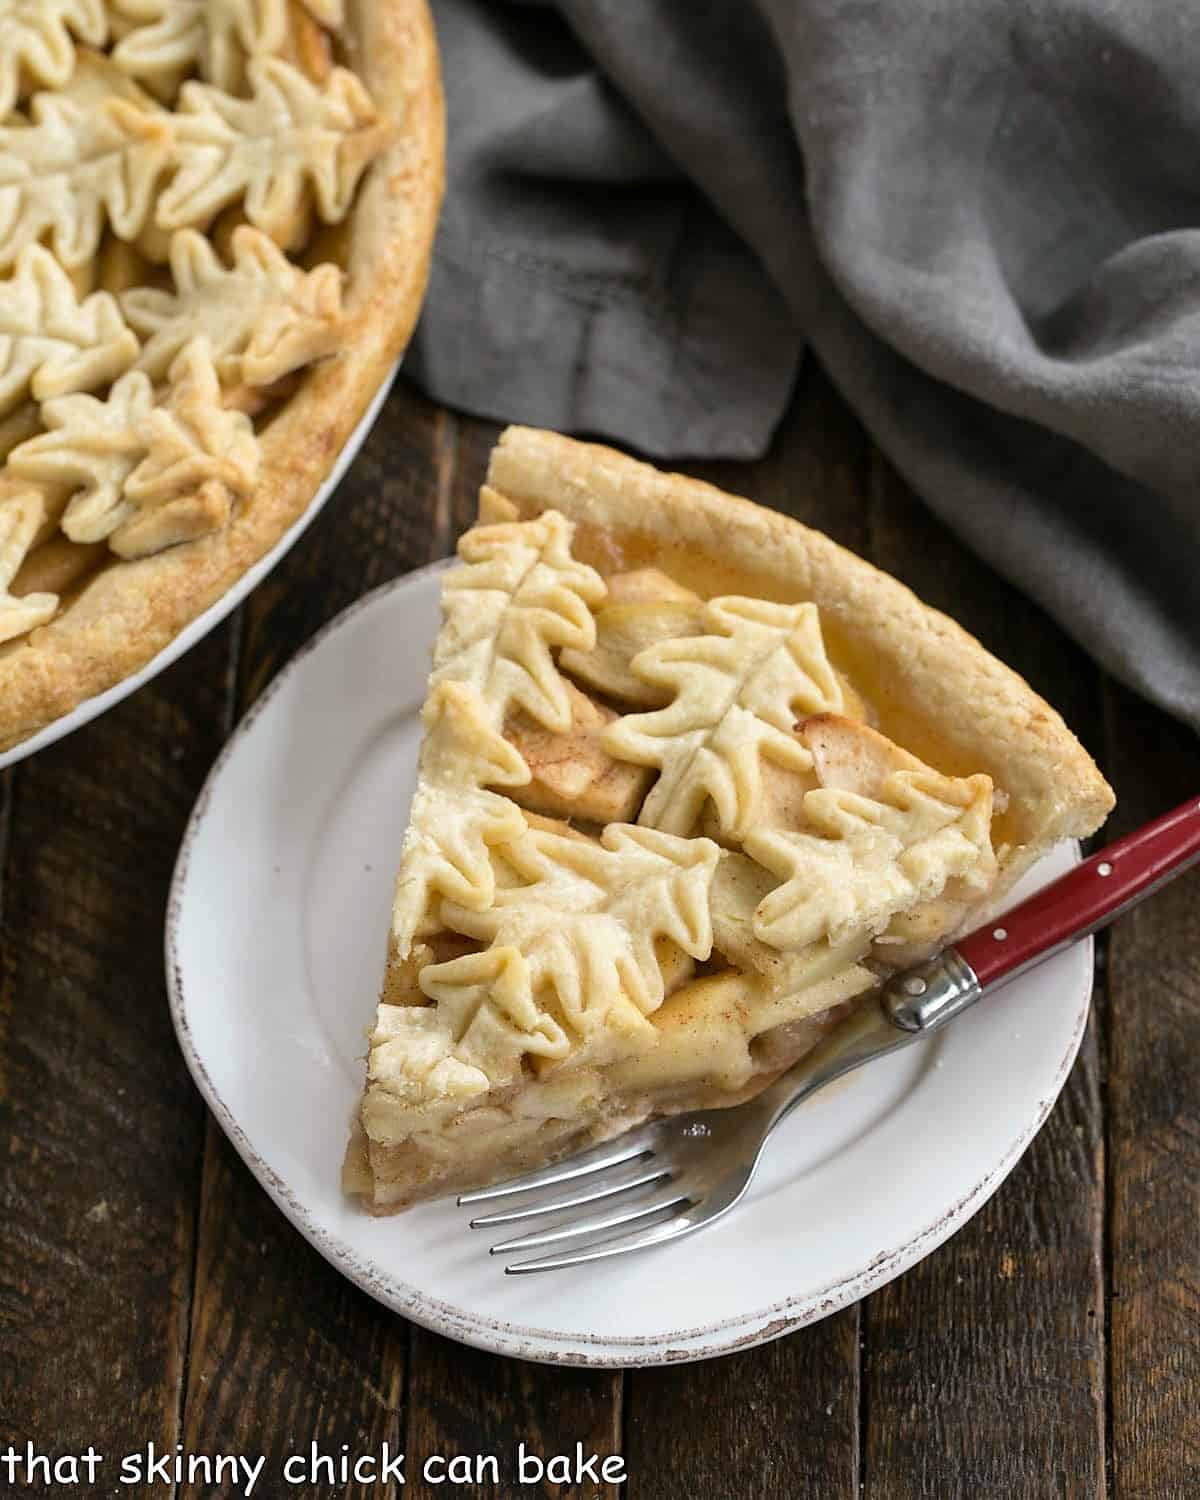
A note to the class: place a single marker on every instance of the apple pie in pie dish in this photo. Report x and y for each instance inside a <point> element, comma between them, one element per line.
<point>693,777</point>
<point>215,226</point>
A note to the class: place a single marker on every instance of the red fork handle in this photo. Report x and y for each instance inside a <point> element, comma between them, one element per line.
<point>1087,898</point>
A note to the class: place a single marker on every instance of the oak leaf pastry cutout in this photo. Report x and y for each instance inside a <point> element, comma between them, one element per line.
<point>807,807</point>
<point>75,167</point>
<point>263,317</point>
<point>51,341</point>
<point>21,516</point>
<point>519,595</point>
<point>259,183</point>
<point>291,144</point>
<point>91,446</point>
<point>737,693</point>
<point>144,476</point>
<point>587,915</point>
<point>864,852</point>
<point>571,964</point>
<point>456,815</point>
<point>200,458</point>
<point>168,39</point>
<point>37,41</point>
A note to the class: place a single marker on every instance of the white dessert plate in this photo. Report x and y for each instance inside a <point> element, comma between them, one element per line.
<point>92,708</point>
<point>275,946</point>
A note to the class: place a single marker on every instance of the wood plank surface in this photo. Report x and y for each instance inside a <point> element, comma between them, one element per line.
<point>466,1402</point>
<point>1154,1132</point>
<point>102,1131</point>
<point>984,1364</point>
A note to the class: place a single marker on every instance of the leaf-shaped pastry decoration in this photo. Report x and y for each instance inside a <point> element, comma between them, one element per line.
<point>73,166</point>
<point>587,917</point>
<point>520,595</point>
<point>288,138</point>
<point>624,631</point>
<point>36,41</point>
<point>51,343</point>
<point>262,316</point>
<point>455,819</point>
<point>735,695</point>
<point>20,521</point>
<point>199,458</point>
<point>486,1021</point>
<point>214,37</point>
<point>571,967</point>
<point>738,889</point>
<point>92,446</point>
<point>144,478</point>
<point>859,860</point>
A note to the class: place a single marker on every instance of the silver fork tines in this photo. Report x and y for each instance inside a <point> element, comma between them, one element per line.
<point>579,1200</point>
<point>611,1154</point>
<point>586,1228</point>
<point>646,1239</point>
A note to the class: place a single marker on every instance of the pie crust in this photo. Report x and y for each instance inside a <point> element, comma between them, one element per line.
<point>693,777</point>
<point>368,239</point>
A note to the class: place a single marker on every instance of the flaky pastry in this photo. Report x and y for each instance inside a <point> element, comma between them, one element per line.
<point>692,779</point>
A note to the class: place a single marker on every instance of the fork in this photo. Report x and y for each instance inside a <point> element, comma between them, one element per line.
<point>673,1176</point>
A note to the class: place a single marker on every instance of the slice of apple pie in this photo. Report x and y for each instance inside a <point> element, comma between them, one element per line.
<point>693,778</point>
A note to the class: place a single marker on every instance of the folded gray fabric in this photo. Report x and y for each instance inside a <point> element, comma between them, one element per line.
<point>983,217</point>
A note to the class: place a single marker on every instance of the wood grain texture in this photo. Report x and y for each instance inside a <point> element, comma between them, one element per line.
<point>102,1132</point>
<point>984,1368</point>
<point>285,1353</point>
<point>780,1421</point>
<point>1154,1132</point>
<point>464,1401</point>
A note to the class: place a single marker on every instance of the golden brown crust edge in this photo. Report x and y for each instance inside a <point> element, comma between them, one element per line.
<point>131,611</point>
<point>939,692</point>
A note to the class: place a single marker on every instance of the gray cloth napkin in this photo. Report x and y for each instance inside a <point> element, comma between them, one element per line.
<point>983,215</point>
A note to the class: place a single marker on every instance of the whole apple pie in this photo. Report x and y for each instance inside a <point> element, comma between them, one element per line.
<point>215,225</point>
<point>693,778</point>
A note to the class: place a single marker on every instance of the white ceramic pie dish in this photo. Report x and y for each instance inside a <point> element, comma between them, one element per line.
<point>92,708</point>
<point>275,945</point>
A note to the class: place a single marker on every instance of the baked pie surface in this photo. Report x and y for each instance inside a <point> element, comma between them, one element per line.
<point>692,778</point>
<point>215,226</point>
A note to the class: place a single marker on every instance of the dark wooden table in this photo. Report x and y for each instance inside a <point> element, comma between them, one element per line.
<point>149,1290</point>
